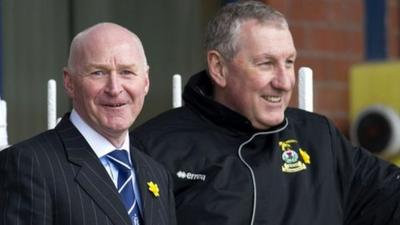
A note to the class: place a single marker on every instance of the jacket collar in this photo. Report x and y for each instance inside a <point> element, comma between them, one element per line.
<point>198,95</point>
<point>143,176</point>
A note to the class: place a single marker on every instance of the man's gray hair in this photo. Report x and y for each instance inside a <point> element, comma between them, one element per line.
<point>223,30</point>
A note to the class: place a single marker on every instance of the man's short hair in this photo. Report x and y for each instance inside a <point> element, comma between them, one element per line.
<point>222,31</point>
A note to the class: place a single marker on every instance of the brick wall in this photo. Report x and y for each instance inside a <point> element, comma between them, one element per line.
<point>329,37</point>
<point>393,29</point>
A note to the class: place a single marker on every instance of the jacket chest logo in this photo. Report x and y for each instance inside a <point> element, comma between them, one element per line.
<point>190,176</point>
<point>290,155</point>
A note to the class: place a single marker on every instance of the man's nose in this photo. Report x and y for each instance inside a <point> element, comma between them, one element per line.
<point>114,84</point>
<point>283,78</point>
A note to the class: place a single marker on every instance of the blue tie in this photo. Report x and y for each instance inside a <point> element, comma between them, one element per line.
<point>120,159</point>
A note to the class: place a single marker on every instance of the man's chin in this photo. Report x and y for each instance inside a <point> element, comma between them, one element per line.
<point>269,122</point>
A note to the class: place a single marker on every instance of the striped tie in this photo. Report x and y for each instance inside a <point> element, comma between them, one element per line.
<point>125,183</point>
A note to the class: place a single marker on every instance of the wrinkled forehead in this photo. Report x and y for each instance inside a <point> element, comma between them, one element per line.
<point>119,54</point>
<point>111,56</point>
<point>268,37</point>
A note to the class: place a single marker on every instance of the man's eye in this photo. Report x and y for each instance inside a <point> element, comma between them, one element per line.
<point>289,63</point>
<point>127,72</point>
<point>98,73</point>
<point>265,64</point>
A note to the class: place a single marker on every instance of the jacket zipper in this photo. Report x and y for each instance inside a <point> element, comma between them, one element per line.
<point>251,170</point>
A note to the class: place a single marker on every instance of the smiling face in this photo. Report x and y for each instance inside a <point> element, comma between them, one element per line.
<point>107,79</point>
<point>259,80</point>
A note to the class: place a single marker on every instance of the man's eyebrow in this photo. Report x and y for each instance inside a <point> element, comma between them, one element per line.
<point>96,65</point>
<point>134,66</point>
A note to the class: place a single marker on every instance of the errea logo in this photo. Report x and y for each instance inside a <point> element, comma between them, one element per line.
<point>190,176</point>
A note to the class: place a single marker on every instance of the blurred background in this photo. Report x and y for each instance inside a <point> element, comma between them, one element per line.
<point>352,47</point>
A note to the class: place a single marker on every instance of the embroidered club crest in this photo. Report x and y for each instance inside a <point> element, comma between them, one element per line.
<point>292,162</point>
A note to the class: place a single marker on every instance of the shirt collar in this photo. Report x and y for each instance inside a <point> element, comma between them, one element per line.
<point>100,145</point>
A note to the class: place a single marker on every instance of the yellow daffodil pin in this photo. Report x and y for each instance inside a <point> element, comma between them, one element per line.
<point>305,156</point>
<point>153,188</point>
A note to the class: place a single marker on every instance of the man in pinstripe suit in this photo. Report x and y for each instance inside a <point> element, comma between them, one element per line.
<point>62,176</point>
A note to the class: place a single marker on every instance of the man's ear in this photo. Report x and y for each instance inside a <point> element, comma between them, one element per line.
<point>147,81</point>
<point>68,83</point>
<point>216,67</point>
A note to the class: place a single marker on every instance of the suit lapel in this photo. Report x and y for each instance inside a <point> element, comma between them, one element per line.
<point>143,176</point>
<point>92,176</point>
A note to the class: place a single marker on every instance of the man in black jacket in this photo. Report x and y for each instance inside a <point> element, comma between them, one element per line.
<point>240,156</point>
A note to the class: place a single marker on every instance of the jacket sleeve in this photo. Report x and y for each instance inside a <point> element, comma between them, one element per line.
<point>370,186</point>
<point>24,198</point>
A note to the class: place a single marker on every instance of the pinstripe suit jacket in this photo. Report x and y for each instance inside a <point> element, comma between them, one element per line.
<point>56,178</point>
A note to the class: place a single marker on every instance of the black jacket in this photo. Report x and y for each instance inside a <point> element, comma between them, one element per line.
<point>301,172</point>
